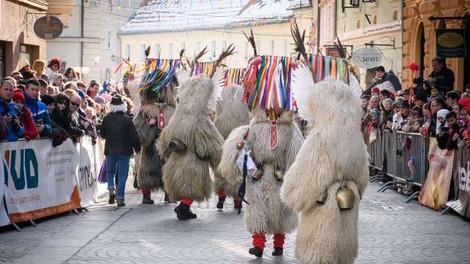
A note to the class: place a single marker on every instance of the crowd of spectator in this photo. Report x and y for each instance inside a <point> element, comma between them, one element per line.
<point>39,101</point>
<point>431,107</point>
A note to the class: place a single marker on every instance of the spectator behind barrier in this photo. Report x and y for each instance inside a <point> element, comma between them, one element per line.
<point>380,77</point>
<point>53,67</point>
<point>9,113</point>
<point>26,118</point>
<point>437,104</point>
<point>37,108</point>
<point>441,77</point>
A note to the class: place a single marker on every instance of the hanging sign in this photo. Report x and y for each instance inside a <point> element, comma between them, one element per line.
<point>367,58</point>
<point>48,27</point>
<point>450,43</point>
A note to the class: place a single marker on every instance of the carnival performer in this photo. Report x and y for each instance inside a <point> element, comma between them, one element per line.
<point>157,106</point>
<point>256,156</point>
<point>330,174</point>
<point>231,113</point>
<point>191,141</point>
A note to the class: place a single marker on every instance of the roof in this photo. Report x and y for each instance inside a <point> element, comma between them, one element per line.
<point>184,15</point>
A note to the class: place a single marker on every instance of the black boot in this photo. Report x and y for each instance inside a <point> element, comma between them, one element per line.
<point>147,200</point>
<point>112,196</point>
<point>184,213</point>
<point>256,251</point>
<point>220,203</point>
<point>278,251</point>
<point>120,202</point>
<point>167,198</point>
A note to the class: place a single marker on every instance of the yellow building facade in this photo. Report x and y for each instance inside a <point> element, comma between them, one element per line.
<point>419,36</point>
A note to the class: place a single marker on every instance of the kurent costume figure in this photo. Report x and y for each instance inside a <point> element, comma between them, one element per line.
<point>192,144</point>
<point>231,113</point>
<point>157,108</point>
<point>191,141</point>
<point>256,156</point>
<point>330,173</point>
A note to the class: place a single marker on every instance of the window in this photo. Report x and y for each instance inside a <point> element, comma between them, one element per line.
<point>213,47</point>
<point>170,51</point>
<point>127,52</point>
<point>358,23</point>
<point>223,44</point>
<point>374,20</point>
<point>142,52</point>
<point>395,15</point>
<point>157,50</point>
<point>108,40</point>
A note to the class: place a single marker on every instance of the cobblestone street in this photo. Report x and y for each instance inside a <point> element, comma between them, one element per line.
<point>390,231</point>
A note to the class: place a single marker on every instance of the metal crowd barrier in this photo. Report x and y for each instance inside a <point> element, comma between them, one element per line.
<point>401,156</point>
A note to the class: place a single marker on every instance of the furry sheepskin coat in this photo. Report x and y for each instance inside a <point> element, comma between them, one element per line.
<point>150,165</point>
<point>186,173</point>
<point>231,113</point>
<point>332,155</point>
<point>265,213</point>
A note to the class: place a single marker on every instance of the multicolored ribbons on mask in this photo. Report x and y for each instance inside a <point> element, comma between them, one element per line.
<point>158,74</point>
<point>234,76</point>
<point>267,83</point>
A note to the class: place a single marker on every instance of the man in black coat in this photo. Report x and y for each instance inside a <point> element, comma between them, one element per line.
<point>441,77</point>
<point>121,142</point>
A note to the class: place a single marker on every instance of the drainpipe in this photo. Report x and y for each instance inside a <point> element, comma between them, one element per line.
<point>82,35</point>
<point>318,25</point>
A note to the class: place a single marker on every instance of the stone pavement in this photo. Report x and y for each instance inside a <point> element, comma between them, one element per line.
<point>390,231</point>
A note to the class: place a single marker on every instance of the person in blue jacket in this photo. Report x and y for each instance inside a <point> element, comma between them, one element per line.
<point>9,111</point>
<point>37,108</point>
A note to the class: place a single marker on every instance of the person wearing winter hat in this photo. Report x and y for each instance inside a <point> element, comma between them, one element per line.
<point>121,142</point>
<point>49,101</point>
<point>25,116</point>
<point>25,69</point>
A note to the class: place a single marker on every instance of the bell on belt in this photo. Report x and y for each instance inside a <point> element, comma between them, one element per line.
<point>240,144</point>
<point>258,174</point>
<point>345,198</point>
<point>279,175</point>
<point>176,145</point>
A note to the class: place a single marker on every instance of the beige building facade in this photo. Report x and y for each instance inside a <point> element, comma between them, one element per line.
<point>375,24</point>
<point>272,37</point>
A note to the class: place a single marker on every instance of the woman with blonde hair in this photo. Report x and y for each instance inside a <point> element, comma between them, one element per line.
<point>39,68</point>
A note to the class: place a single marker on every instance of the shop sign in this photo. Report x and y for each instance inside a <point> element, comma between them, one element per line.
<point>367,58</point>
<point>450,43</point>
<point>48,27</point>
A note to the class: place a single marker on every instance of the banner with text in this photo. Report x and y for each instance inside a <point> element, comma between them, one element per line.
<point>3,213</point>
<point>435,191</point>
<point>87,175</point>
<point>40,179</point>
<point>461,204</point>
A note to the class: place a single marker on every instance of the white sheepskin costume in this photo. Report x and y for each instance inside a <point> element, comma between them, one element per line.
<point>333,155</point>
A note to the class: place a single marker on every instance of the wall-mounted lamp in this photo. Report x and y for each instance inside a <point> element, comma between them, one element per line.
<point>352,4</point>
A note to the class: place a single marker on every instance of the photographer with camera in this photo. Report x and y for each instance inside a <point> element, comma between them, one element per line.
<point>9,112</point>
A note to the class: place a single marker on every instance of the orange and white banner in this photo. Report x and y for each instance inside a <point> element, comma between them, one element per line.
<point>87,173</point>
<point>435,191</point>
<point>40,179</point>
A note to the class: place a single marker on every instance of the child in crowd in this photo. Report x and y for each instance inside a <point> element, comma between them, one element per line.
<point>25,116</point>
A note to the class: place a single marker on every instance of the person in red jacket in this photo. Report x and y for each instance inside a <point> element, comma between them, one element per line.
<point>25,115</point>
